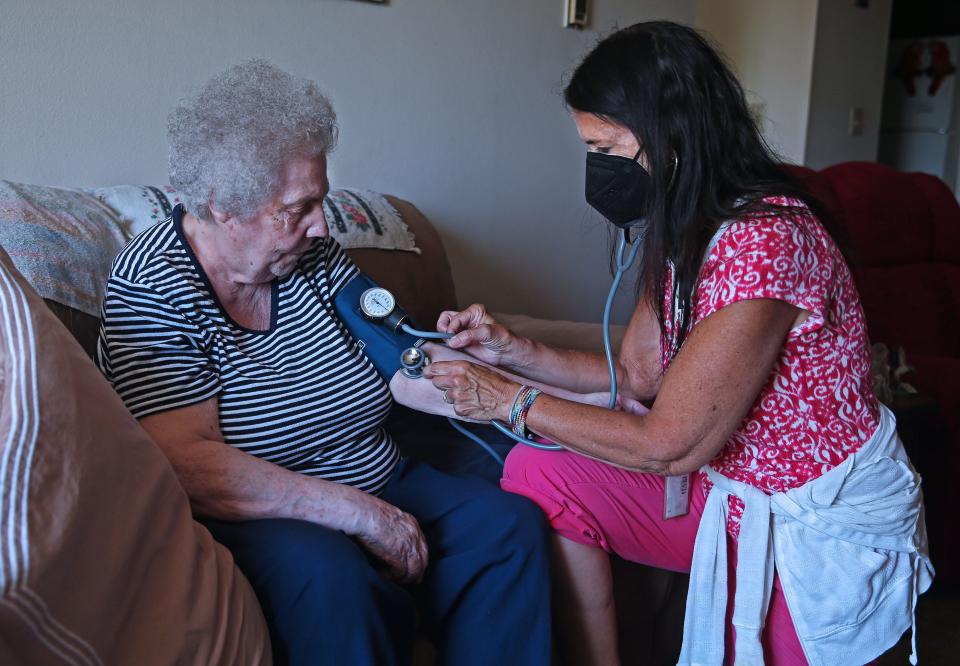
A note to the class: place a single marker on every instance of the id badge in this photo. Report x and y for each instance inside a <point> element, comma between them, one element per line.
<point>676,496</point>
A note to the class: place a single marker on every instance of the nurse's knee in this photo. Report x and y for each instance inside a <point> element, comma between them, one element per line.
<point>527,467</point>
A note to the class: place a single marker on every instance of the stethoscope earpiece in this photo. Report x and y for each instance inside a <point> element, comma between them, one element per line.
<point>676,166</point>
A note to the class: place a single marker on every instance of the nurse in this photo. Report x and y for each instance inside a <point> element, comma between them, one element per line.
<point>749,341</point>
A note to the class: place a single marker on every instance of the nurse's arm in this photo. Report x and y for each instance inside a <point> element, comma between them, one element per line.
<point>708,390</point>
<point>637,366</point>
<point>422,395</point>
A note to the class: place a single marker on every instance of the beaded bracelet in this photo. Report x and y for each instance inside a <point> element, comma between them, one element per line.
<point>521,405</point>
<point>517,404</point>
<point>524,408</point>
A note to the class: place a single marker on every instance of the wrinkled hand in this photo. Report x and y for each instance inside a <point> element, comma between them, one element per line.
<point>474,391</point>
<point>394,537</point>
<point>478,334</point>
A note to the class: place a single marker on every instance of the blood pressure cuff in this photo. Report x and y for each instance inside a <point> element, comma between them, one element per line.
<point>377,341</point>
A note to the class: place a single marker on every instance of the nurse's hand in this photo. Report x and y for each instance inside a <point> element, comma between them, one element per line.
<point>480,335</point>
<point>475,392</point>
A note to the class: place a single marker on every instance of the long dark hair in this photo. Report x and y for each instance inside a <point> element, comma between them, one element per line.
<point>664,83</point>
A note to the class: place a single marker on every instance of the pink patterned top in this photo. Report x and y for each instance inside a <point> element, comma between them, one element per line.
<point>818,406</point>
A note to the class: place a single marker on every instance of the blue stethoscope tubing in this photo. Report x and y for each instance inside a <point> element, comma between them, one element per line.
<point>625,260</point>
<point>486,447</point>
<point>622,267</point>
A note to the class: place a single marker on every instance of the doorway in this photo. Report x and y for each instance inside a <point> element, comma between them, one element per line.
<point>920,125</point>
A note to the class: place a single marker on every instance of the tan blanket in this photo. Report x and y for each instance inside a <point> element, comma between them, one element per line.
<point>100,560</point>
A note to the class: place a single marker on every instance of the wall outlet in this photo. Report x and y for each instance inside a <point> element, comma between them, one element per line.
<point>576,13</point>
<point>856,121</point>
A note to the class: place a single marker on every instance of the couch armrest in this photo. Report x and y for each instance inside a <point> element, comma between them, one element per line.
<point>578,335</point>
<point>422,283</point>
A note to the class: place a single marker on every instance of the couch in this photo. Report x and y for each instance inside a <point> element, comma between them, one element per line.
<point>177,586</point>
<point>901,235</point>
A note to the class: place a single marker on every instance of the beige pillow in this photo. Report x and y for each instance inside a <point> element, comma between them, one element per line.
<point>100,560</point>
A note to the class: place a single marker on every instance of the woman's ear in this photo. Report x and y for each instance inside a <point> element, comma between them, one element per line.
<point>216,214</point>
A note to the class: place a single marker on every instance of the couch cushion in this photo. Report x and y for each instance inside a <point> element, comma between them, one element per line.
<point>102,562</point>
<point>84,328</point>
<point>885,214</point>
<point>371,226</point>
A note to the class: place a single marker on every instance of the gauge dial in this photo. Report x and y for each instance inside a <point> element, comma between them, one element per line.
<point>377,303</point>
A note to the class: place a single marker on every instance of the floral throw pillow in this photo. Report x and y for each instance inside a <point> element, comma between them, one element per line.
<point>139,206</point>
<point>357,218</point>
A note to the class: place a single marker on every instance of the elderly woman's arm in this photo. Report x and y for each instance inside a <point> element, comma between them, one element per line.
<point>227,484</point>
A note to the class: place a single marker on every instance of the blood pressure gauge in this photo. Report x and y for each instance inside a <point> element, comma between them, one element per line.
<point>377,303</point>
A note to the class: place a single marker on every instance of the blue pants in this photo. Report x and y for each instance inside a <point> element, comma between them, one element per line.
<point>484,599</point>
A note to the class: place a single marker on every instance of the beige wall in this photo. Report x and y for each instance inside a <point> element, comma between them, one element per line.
<point>770,45</point>
<point>848,71</point>
<point>452,104</point>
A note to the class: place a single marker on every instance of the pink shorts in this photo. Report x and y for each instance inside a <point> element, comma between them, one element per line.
<point>622,512</point>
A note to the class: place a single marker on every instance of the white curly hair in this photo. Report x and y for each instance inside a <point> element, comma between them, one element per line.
<point>230,140</point>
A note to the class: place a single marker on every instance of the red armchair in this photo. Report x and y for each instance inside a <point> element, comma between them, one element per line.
<point>901,232</point>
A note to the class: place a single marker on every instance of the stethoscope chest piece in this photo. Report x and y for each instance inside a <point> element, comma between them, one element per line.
<point>412,362</point>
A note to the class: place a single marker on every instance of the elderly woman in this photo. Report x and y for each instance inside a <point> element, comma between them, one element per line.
<point>749,335</point>
<point>219,334</point>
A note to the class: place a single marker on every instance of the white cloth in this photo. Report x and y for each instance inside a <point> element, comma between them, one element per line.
<point>849,547</point>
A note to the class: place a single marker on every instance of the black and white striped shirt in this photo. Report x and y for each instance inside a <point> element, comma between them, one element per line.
<point>300,394</point>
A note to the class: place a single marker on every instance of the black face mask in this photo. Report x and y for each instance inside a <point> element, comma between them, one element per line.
<point>618,187</point>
